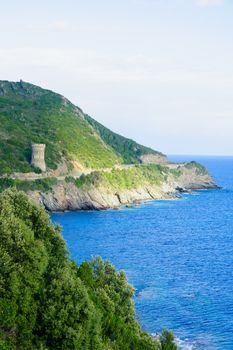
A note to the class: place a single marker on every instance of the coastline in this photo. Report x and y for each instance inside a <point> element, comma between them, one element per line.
<point>67,197</point>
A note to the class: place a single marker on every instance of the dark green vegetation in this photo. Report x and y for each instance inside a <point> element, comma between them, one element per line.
<point>167,341</point>
<point>29,114</point>
<point>48,302</point>
<point>129,150</point>
<point>43,185</point>
<point>200,169</point>
<point>130,178</point>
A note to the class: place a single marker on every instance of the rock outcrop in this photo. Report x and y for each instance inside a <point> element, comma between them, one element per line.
<point>67,196</point>
<point>153,159</point>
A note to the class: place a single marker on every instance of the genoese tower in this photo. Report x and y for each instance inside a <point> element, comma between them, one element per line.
<point>38,156</point>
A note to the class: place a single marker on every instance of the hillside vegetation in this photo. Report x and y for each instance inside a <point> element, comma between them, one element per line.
<point>30,114</point>
<point>129,150</point>
<point>48,302</point>
<point>131,178</point>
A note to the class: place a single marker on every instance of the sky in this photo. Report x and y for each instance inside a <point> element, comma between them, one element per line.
<point>157,71</point>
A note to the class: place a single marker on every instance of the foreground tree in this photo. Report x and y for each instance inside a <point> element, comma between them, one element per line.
<point>167,341</point>
<point>47,301</point>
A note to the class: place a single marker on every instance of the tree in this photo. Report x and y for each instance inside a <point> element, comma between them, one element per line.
<point>47,302</point>
<point>167,341</point>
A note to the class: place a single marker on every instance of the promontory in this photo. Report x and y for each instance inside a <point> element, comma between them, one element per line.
<point>65,160</point>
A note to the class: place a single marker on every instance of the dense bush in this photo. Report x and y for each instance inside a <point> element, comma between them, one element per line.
<point>47,301</point>
<point>43,185</point>
<point>130,178</point>
<point>167,341</point>
<point>119,179</point>
<point>128,149</point>
<point>199,168</point>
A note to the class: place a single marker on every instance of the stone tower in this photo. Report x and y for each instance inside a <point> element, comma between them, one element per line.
<point>38,160</point>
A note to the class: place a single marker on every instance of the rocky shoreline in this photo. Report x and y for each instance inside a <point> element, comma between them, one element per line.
<point>68,197</point>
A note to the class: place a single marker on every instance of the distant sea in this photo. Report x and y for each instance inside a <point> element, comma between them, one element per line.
<point>178,254</point>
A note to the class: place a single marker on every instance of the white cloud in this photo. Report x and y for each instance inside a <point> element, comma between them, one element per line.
<point>206,3</point>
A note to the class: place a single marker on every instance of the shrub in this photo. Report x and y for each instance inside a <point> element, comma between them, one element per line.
<point>47,301</point>
<point>200,169</point>
<point>43,185</point>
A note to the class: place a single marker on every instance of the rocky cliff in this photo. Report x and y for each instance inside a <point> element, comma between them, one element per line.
<point>103,195</point>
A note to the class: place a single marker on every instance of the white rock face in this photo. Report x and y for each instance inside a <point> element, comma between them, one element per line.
<point>153,159</point>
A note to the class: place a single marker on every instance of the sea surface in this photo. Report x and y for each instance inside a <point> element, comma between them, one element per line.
<point>178,254</point>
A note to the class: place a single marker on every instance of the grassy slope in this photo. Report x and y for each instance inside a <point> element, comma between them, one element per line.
<point>132,178</point>
<point>140,175</point>
<point>30,114</point>
<point>116,179</point>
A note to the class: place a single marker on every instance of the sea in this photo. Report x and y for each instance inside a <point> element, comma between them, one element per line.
<point>178,255</point>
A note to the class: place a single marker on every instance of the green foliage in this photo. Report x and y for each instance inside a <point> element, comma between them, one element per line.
<point>69,179</point>
<point>167,341</point>
<point>43,185</point>
<point>200,169</point>
<point>47,301</point>
<point>26,237</point>
<point>29,114</point>
<point>128,149</point>
<point>129,178</point>
<point>175,172</point>
<point>111,292</point>
<point>116,179</point>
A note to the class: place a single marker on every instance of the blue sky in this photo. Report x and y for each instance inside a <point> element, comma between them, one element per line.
<point>158,71</point>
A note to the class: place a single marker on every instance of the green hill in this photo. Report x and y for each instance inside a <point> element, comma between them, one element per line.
<point>30,114</point>
<point>129,150</point>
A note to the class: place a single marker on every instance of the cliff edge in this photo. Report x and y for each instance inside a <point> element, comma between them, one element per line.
<point>99,190</point>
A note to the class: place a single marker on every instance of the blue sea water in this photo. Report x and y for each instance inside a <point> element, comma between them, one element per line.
<point>178,254</point>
